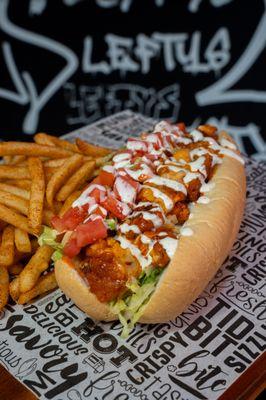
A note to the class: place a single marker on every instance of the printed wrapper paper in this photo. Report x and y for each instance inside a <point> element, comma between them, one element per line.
<point>60,353</point>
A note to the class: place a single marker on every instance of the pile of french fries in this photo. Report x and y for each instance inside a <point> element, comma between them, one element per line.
<point>37,181</point>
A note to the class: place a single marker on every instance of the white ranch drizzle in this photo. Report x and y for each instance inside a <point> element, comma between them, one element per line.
<point>143,170</point>
<point>170,183</point>
<point>200,151</point>
<point>185,231</point>
<point>226,143</point>
<point>109,168</point>
<point>149,216</point>
<point>122,164</point>
<point>162,196</point>
<point>203,200</point>
<point>198,165</point>
<point>190,176</point>
<point>125,228</point>
<point>126,192</point>
<point>84,197</point>
<point>207,187</point>
<point>121,157</point>
<point>196,135</point>
<point>135,251</point>
<point>170,245</point>
<point>232,154</point>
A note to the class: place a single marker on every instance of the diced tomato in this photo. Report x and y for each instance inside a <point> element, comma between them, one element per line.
<point>90,232</point>
<point>98,210</point>
<point>131,181</point>
<point>115,207</point>
<point>58,223</point>
<point>106,178</point>
<point>95,181</point>
<point>125,189</point>
<point>98,193</point>
<point>71,248</point>
<point>72,218</point>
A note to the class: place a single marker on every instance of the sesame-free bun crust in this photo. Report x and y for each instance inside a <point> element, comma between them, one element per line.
<point>197,258</point>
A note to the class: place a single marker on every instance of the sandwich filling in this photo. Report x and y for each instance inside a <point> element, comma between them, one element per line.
<point>125,226</point>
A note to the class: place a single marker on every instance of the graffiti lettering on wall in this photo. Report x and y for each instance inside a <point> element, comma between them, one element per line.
<point>89,103</point>
<point>126,54</point>
<point>37,7</point>
<point>123,54</point>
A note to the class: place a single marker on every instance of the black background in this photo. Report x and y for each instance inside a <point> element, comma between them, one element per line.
<point>70,21</point>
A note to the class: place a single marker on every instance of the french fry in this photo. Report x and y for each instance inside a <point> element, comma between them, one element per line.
<point>29,149</point>
<point>76,180</point>
<point>15,202</point>
<point>14,289</point>
<point>45,139</point>
<point>15,269</point>
<point>15,219</point>
<point>22,241</point>
<point>21,183</point>
<point>58,178</point>
<point>7,159</point>
<point>47,216</point>
<point>45,283</point>
<point>37,193</point>
<point>17,160</point>
<point>38,263</point>
<point>4,287</point>
<point>25,194</point>
<point>22,205</point>
<point>208,130</point>
<point>92,150</point>
<point>68,203</point>
<point>7,247</point>
<point>13,172</point>
<point>57,162</point>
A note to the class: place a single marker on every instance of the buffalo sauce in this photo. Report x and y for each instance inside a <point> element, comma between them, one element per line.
<point>157,179</point>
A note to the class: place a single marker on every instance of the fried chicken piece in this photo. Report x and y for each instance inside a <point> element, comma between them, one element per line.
<point>182,154</point>
<point>181,212</point>
<point>193,189</point>
<point>107,268</point>
<point>208,130</point>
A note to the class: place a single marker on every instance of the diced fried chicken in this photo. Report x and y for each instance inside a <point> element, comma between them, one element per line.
<point>159,256</point>
<point>208,130</point>
<point>107,268</point>
<point>181,212</point>
<point>182,154</point>
<point>193,189</point>
<point>208,164</point>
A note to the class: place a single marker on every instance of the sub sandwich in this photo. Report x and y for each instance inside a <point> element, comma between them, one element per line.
<point>150,231</point>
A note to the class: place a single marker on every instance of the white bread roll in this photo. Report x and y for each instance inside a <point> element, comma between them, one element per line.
<point>197,258</point>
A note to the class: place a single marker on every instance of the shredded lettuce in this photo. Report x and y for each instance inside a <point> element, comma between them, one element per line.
<point>48,237</point>
<point>57,255</point>
<point>111,223</point>
<point>131,307</point>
